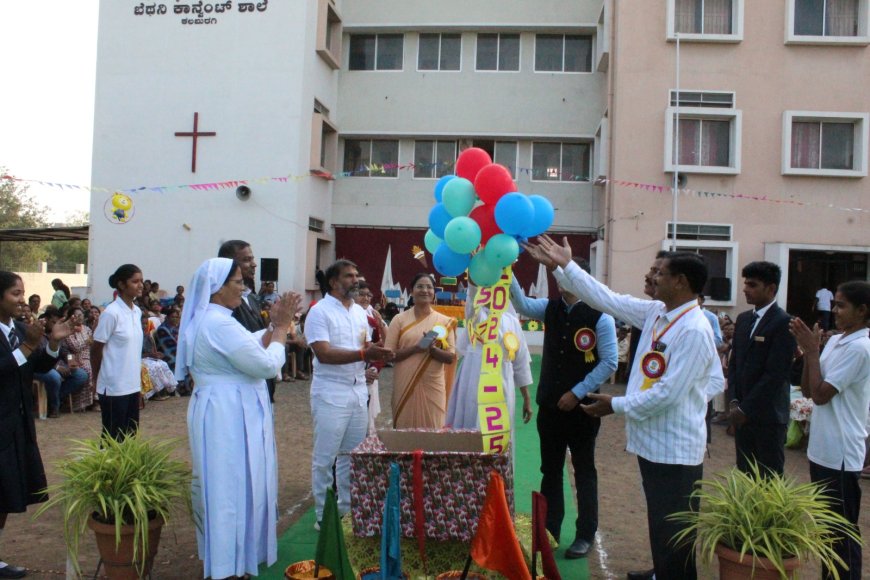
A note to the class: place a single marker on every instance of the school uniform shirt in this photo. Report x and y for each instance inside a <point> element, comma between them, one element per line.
<point>664,420</point>
<point>120,329</point>
<point>839,427</point>
<point>347,328</point>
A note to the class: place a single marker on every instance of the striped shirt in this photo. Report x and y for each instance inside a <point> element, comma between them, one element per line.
<point>664,423</point>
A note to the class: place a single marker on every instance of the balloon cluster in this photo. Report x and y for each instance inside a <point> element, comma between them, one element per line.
<point>482,238</point>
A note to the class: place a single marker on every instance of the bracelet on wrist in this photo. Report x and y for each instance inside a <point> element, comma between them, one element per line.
<point>362,355</point>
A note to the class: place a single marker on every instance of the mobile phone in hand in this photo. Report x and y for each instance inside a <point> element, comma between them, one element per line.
<point>428,339</point>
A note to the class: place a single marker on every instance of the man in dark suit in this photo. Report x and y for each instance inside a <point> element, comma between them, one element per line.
<point>249,312</point>
<point>761,357</point>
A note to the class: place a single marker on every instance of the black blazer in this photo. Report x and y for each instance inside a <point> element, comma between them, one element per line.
<point>249,314</point>
<point>16,391</point>
<point>758,371</point>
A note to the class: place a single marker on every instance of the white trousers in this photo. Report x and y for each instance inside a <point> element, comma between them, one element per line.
<point>336,430</point>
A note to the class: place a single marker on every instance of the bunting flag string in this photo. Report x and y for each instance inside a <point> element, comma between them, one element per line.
<point>389,170</point>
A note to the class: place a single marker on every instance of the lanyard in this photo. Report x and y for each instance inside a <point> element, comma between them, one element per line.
<point>656,339</point>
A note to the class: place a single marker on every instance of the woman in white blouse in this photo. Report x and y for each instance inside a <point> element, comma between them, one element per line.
<point>229,420</point>
<point>839,383</point>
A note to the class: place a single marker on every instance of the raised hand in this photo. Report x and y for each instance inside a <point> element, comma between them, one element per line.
<point>808,340</point>
<point>284,309</point>
<point>33,334</point>
<point>601,407</point>
<point>61,330</point>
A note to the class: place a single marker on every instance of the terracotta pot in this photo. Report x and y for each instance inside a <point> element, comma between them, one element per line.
<point>733,567</point>
<point>304,570</point>
<point>458,574</point>
<point>118,563</point>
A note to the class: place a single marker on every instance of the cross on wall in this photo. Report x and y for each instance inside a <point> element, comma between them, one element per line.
<point>196,134</point>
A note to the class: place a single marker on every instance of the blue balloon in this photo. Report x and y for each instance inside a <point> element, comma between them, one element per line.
<point>513,212</point>
<point>439,187</point>
<point>542,219</point>
<point>439,217</point>
<point>448,262</point>
<point>431,241</point>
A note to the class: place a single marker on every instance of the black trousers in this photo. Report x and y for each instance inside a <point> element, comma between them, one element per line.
<point>120,414</point>
<point>667,489</point>
<point>763,443</point>
<point>574,430</point>
<point>844,488</point>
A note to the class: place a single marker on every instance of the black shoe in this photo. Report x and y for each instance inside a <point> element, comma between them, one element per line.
<point>644,575</point>
<point>12,572</point>
<point>579,549</point>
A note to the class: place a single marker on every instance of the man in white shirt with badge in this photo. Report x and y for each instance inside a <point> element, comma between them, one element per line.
<point>338,332</point>
<point>667,393</point>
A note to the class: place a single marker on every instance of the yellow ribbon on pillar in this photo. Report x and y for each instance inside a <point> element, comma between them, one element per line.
<point>492,411</point>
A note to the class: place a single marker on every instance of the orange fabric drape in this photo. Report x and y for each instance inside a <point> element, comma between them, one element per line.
<point>495,545</point>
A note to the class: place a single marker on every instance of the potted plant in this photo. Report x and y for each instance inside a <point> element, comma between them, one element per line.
<point>762,526</point>
<point>125,491</point>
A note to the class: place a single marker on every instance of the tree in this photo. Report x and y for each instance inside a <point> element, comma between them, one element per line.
<point>19,210</point>
<point>65,255</point>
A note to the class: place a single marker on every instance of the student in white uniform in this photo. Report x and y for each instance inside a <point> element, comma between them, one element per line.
<point>116,354</point>
<point>839,383</point>
<point>229,420</point>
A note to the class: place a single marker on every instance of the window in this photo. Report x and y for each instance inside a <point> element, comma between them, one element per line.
<point>315,224</point>
<point>720,254</point>
<point>433,159</point>
<point>825,144</point>
<point>706,20</point>
<point>602,149</point>
<point>700,231</point>
<point>560,161</point>
<point>563,53</point>
<point>328,33</point>
<point>501,152</point>
<point>371,158</point>
<point>498,52</point>
<point>439,52</point>
<point>708,135</point>
<point>324,141</point>
<point>827,22</point>
<point>376,51</point>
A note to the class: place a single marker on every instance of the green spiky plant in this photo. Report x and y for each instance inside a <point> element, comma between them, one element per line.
<point>126,482</point>
<point>770,516</point>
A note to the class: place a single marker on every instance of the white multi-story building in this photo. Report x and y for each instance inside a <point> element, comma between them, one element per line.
<point>359,109</point>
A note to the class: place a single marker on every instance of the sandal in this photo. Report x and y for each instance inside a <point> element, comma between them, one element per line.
<point>302,376</point>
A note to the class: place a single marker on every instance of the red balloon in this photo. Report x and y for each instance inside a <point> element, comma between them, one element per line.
<point>484,215</point>
<point>470,162</point>
<point>492,182</point>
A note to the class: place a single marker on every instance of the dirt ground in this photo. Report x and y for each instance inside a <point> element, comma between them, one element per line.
<point>621,544</point>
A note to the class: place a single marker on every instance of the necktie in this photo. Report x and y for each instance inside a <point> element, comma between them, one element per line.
<point>752,326</point>
<point>13,340</point>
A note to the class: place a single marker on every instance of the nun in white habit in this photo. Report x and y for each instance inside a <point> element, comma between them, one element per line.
<point>229,420</point>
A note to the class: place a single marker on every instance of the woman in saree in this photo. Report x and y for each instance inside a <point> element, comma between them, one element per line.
<point>419,381</point>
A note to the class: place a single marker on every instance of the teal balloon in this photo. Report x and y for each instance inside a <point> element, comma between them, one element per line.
<point>439,187</point>
<point>462,235</point>
<point>542,219</point>
<point>458,197</point>
<point>482,272</point>
<point>501,250</point>
<point>448,262</point>
<point>513,212</point>
<point>431,241</point>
